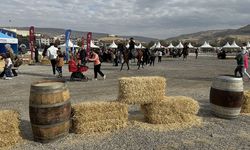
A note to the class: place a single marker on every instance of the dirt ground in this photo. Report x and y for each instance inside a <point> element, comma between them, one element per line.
<point>192,77</point>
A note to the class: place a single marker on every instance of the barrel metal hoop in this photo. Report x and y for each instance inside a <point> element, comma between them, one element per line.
<point>225,112</point>
<point>47,91</point>
<point>50,105</point>
<point>51,125</point>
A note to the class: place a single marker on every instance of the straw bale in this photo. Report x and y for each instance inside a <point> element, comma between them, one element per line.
<point>1,64</point>
<point>171,110</point>
<point>105,116</point>
<point>9,128</point>
<point>99,107</point>
<point>195,121</point>
<point>141,90</point>
<point>246,104</point>
<point>99,126</point>
<point>45,61</point>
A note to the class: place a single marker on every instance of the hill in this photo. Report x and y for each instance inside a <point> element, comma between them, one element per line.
<point>78,34</point>
<point>215,37</point>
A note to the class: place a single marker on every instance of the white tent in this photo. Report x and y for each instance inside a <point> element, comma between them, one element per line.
<point>70,44</point>
<point>227,45</point>
<point>234,45</point>
<point>248,45</point>
<point>190,45</point>
<point>92,45</point>
<point>113,45</point>
<point>158,45</point>
<point>206,45</point>
<point>171,45</point>
<point>140,46</point>
<point>179,45</point>
<point>153,47</point>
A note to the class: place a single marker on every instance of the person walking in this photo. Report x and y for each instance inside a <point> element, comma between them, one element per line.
<point>245,59</point>
<point>52,55</point>
<point>240,64</point>
<point>196,53</point>
<point>59,63</point>
<point>185,51</point>
<point>97,65</point>
<point>7,67</point>
<point>152,58</point>
<point>159,55</point>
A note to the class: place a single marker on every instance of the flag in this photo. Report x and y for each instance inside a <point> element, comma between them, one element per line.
<point>89,37</point>
<point>32,40</point>
<point>67,37</point>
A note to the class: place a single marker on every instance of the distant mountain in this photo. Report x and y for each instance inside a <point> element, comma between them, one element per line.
<point>78,34</point>
<point>217,37</point>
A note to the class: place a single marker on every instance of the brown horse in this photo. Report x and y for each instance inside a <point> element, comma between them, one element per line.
<point>125,58</point>
<point>139,57</point>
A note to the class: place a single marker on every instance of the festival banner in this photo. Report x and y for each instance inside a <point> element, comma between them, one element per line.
<point>89,37</point>
<point>67,37</point>
<point>82,42</point>
<point>32,41</point>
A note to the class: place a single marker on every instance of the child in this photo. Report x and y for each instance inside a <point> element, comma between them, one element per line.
<point>59,63</point>
<point>7,68</point>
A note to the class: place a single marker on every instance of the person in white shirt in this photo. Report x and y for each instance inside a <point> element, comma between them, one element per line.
<point>52,55</point>
<point>159,55</point>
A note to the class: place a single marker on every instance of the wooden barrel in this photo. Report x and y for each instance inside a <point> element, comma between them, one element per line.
<point>226,96</point>
<point>49,110</point>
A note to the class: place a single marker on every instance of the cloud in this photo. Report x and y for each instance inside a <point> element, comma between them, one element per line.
<point>158,18</point>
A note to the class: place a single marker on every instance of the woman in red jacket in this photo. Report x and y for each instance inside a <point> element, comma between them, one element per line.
<point>97,65</point>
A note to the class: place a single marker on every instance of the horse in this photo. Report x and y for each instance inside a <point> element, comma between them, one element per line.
<point>125,58</point>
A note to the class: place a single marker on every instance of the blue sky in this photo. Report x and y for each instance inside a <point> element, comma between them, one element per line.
<point>158,18</point>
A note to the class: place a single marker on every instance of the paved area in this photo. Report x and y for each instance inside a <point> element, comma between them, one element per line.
<point>192,77</point>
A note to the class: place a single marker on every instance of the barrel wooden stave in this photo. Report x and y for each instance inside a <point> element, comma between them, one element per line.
<point>50,115</point>
<point>50,110</point>
<point>226,96</point>
<point>45,134</point>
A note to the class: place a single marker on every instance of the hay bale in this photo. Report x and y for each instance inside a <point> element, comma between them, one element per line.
<point>141,90</point>
<point>2,64</point>
<point>174,109</point>
<point>9,128</point>
<point>89,117</point>
<point>246,104</point>
<point>98,126</point>
<point>45,61</point>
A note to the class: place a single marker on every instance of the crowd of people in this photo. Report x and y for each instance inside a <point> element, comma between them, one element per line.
<point>122,55</point>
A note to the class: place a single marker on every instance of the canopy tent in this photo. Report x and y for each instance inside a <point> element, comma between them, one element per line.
<point>158,45</point>
<point>234,45</point>
<point>153,47</point>
<point>179,46</point>
<point>248,45</point>
<point>113,45</point>
<point>227,45</point>
<point>206,45</point>
<point>70,44</point>
<point>190,45</point>
<point>92,45</point>
<point>140,46</point>
<point>171,45</point>
<point>5,39</point>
